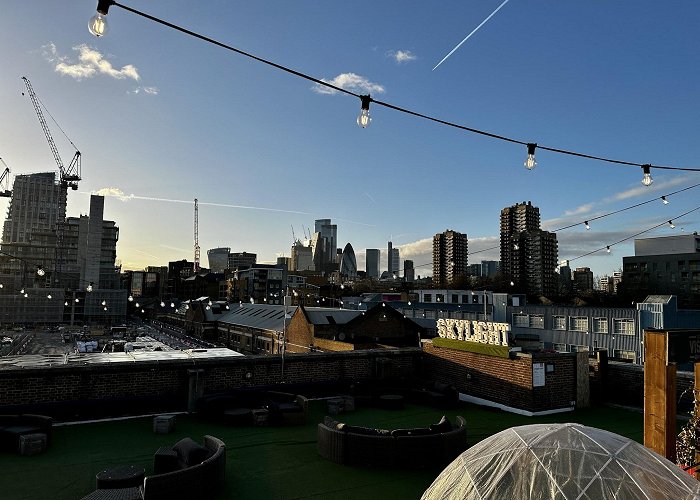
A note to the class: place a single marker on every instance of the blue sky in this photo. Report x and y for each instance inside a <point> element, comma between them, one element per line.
<point>162,116</point>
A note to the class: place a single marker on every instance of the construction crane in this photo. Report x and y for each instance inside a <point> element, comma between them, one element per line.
<point>5,181</point>
<point>196,236</point>
<point>69,175</point>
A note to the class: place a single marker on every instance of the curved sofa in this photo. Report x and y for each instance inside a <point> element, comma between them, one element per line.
<point>436,445</point>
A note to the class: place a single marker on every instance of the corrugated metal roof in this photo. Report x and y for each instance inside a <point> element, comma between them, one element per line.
<point>321,315</point>
<point>261,316</point>
<point>665,299</point>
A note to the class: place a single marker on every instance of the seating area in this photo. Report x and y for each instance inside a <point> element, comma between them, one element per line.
<point>185,470</point>
<point>239,407</point>
<point>437,444</point>
<point>25,434</point>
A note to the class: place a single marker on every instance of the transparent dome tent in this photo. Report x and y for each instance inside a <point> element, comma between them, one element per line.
<point>561,461</point>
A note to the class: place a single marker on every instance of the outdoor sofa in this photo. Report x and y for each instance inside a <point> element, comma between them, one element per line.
<point>436,445</point>
<point>283,407</point>
<point>196,472</point>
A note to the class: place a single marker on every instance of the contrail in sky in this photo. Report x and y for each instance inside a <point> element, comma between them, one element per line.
<point>470,34</point>
<point>117,193</point>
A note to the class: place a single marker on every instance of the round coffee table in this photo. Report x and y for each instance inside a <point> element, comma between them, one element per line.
<point>125,476</point>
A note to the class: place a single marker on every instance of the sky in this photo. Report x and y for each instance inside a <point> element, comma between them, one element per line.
<point>162,118</point>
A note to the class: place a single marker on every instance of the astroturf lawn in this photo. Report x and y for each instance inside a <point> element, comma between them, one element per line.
<point>263,462</point>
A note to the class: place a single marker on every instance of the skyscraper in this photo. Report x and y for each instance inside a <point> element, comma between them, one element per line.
<point>393,260</point>
<point>450,257</point>
<point>409,272</point>
<point>372,256</point>
<point>348,263</point>
<point>528,254</point>
<point>302,257</point>
<point>218,259</point>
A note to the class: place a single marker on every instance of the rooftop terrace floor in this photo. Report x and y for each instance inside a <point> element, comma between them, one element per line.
<point>262,462</point>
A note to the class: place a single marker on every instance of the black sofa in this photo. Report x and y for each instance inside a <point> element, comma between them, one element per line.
<point>14,426</point>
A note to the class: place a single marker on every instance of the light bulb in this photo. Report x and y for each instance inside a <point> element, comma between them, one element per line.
<point>530,162</point>
<point>98,25</point>
<point>131,298</point>
<point>142,311</point>
<point>607,249</point>
<point>363,119</point>
<point>89,288</point>
<point>646,179</point>
<point>104,302</point>
<point>588,226</point>
<point>26,295</point>
<point>207,308</point>
<point>105,308</point>
<point>137,305</point>
<point>65,303</point>
<point>172,304</point>
<point>664,200</point>
<point>670,223</point>
<point>49,296</point>
<point>77,300</point>
<point>1,285</point>
<point>21,291</point>
<point>40,271</point>
<point>162,304</point>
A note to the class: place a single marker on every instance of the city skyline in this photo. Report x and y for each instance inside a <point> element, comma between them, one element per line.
<point>263,151</point>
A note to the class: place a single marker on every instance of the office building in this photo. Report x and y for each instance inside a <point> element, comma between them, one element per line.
<point>218,259</point>
<point>393,260</point>
<point>242,260</point>
<point>665,265</point>
<point>348,263</point>
<point>450,257</point>
<point>409,272</point>
<point>528,254</point>
<point>583,280</point>
<point>489,268</point>
<point>474,270</point>
<point>302,257</point>
<point>324,244</point>
<point>372,256</point>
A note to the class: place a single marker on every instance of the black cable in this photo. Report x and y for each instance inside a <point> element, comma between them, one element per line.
<point>386,104</point>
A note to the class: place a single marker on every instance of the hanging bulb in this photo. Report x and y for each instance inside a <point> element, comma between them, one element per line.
<point>40,271</point>
<point>142,311</point>
<point>607,249</point>
<point>670,223</point>
<point>530,163</point>
<point>105,308</point>
<point>21,292</point>
<point>26,295</point>
<point>89,288</point>
<point>364,120</point>
<point>1,285</point>
<point>664,200</point>
<point>137,305</point>
<point>131,298</point>
<point>172,304</point>
<point>162,304</point>
<point>104,302</point>
<point>49,296</point>
<point>65,303</point>
<point>646,179</point>
<point>98,25</point>
<point>77,300</point>
<point>209,303</point>
<point>588,226</point>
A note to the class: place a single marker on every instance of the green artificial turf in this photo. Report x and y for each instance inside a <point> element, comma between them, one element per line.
<point>262,462</point>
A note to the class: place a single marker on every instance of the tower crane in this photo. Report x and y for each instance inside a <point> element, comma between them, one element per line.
<point>69,175</point>
<point>196,236</point>
<point>5,181</point>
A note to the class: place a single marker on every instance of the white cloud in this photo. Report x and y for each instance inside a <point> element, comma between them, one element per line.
<point>401,56</point>
<point>90,63</point>
<point>349,81</point>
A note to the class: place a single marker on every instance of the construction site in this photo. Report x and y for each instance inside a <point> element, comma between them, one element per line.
<point>54,268</point>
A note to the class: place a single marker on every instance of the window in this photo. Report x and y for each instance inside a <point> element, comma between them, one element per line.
<point>537,321</point>
<point>521,320</point>
<point>455,298</point>
<point>626,355</point>
<point>558,322</point>
<point>578,348</point>
<point>578,323</point>
<point>600,325</point>
<point>427,297</point>
<point>560,347</point>
<point>623,326</point>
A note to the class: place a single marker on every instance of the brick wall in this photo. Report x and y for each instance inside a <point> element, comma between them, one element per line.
<point>507,381</point>
<point>77,390</point>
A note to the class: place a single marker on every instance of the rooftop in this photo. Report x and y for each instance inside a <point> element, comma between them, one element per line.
<point>264,462</point>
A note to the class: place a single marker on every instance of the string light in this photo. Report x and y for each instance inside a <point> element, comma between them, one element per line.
<point>530,162</point>
<point>363,119</point>
<point>98,23</point>
<point>607,248</point>
<point>646,178</point>
<point>131,298</point>
<point>89,288</point>
<point>664,200</point>
<point>588,226</point>
<point>49,296</point>
<point>671,224</point>
<point>40,271</point>
<point>103,6</point>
